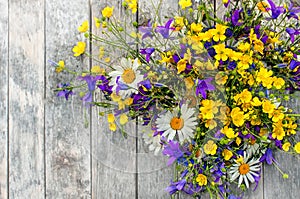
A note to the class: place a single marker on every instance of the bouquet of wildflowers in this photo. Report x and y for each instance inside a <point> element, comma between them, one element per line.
<point>212,89</point>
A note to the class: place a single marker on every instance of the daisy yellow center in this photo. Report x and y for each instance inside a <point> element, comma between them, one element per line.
<point>176,123</point>
<point>244,169</point>
<point>128,76</point>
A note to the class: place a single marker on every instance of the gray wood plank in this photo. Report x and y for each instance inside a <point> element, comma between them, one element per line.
<point>67,146</point>
<point>113,156</point>
<point>3,97</point>
<point>154,175</point>
<point>26,93</point>
<point>274,185</point>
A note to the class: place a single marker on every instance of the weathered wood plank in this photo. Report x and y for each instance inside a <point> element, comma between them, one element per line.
<point>113,156</point>
<point>274,185</point>
<point>3,97</point>
<point>26,93</point>
<point>154,175</point>
<point>67,144</point>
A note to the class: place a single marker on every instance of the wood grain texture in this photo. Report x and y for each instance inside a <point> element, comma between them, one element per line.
<point>67,146</point>
<point>113,156</point>
<point>3,97</point>
<point>274,185</point>
<point>26,99</point>
<point>154,175</point>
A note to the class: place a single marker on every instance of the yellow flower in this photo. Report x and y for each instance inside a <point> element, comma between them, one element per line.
<point>210,148</point>
<point>179,22</point>
<point>123,119</point>
<point>185,3</point>
<point>205,36</point>
<point>132,5</point>
<point>277,115</point>
<point>256,102</point>
<point>262,6</point>
<point>201,179</point>
<point>128,101</point>
<point>229,132</point>
<point>290,126</point>
<point>278,132</point>
<point>188,56</point>
<point>110,118</point>
<point>237,116</point>
<point>227,154</point>
<point>79,49</point>
<point>60,66</point>
<point>221,78</point>
<point>166,57</point>
<point>243,97</point>
<point>259,46</point>
<point>245,62</point>
<point>221,52</point>
<point>297,147</point>
<point>115,97</point>
<point>278,82</point>
<point>219,33</point>
<point>264,76</point>
<point>211,124</point>
<point>238,141</point>
<point>244,46</point>
<point>107,11</point>
<point>181,65</point>
<point>112,126</point>
<point>286,146</point>
<point>121,105</point>
<point>189,83</point>
<point>251,80</point>
<point>97,22</point>
<point>208,109</point>
<point>268,107</point>
<point>97,70</point>
<point>196,27</point>
<point>101,52</point>
<point>255,120</point>
<point>84,26</point>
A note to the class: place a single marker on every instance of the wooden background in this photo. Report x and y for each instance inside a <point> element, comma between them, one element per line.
<point>46,151</point>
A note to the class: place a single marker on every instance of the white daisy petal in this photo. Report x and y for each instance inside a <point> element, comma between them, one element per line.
<point>172,135</point>
<point>184,126</point>
<point>250,177</point>
<point>246,181</point>
<point>240,180</point>
<point>245,171</point>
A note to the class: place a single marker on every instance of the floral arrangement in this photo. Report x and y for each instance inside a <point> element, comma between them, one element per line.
<point>212,89</point>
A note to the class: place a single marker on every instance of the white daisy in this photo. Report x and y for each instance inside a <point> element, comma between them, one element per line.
<point>126,76</point>
<point>251,148</point>
<point>153,142</point>
<point>245,169</point>
<point>182,123</point>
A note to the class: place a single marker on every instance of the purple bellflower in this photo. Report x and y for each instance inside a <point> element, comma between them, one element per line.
<point>276,10</point>
<point>66,92</point>
<point>268,157</point>
<point>165,30</point>
<point>203,86</point>
<point>173,151</point>
<point>147,30</point>
<point>292,32</point>
<point>91,82</point>
<point>293,11</point>
<point>147,52</point>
